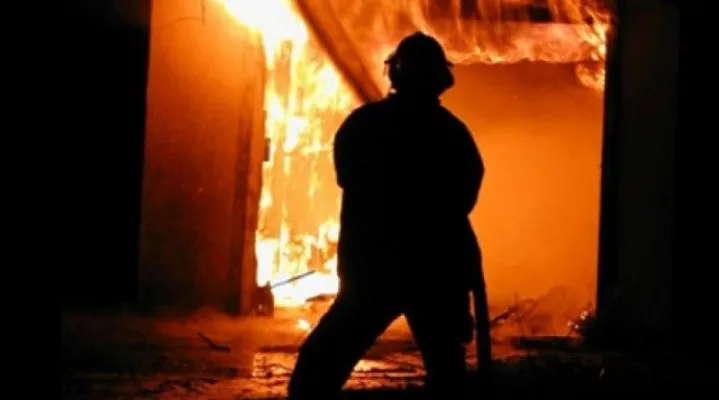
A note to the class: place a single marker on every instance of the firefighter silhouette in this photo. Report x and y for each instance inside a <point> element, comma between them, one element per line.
<point>410,174</point>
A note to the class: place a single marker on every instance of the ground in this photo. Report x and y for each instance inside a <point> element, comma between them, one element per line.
<point>209,355</point>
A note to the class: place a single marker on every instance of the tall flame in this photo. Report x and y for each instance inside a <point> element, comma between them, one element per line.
<point>306,100</point>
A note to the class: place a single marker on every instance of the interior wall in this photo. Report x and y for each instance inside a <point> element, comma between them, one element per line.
<point>204,92</point>
<point>539,132</point>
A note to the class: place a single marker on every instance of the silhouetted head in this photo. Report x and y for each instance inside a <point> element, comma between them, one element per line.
<point>419,66</point>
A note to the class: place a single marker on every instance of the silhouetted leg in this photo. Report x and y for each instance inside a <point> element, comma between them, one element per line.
<point>437,329</point>
<point>329,354</point>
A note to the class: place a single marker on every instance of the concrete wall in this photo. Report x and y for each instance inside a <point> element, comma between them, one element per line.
<point>637,265</point>
<point>204,106</point>
<point>539,132</point>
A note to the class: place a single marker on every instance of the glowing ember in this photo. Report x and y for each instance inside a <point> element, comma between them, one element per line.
<point>304,325</point>
<point>306,101</point>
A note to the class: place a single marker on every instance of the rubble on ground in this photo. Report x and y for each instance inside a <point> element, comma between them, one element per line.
<point>209,355</point>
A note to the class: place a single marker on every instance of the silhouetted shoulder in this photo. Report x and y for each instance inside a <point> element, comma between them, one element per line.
<point>463,138</point>
<point>352,142</point>
<point>368,110</point>
<point>454,122</point>
<point>359,118</point>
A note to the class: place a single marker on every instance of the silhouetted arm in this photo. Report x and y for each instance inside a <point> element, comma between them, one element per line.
<point>345,151</point>
<point>470,169</point>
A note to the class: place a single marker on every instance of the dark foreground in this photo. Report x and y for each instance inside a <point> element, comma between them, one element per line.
<point>210,356</point>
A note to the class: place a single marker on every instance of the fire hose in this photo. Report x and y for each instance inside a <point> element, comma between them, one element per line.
<point>483,341</point>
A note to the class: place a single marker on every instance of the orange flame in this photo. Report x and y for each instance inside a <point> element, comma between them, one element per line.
<point>305,101</point>
<point>481,31</point>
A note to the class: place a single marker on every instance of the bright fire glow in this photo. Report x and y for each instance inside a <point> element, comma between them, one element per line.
<point>304,325</point>
<point>306,99</point>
